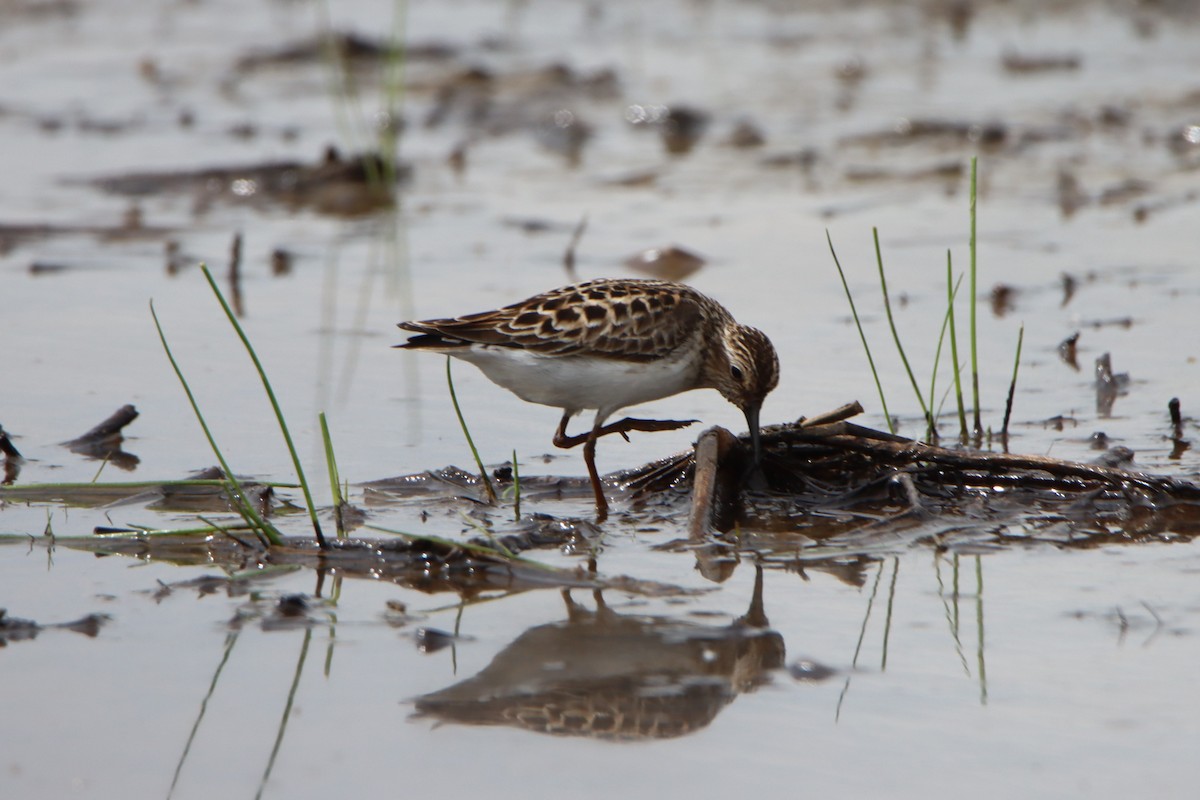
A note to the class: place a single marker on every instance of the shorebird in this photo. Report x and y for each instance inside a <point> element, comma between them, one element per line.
<point>608,344</point>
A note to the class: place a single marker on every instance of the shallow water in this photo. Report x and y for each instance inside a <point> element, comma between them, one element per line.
<point>1051,672</point>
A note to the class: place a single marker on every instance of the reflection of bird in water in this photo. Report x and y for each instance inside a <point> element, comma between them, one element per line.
<point>605,675</point>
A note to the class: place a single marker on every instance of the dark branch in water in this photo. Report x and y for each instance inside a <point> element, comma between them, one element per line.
<point>827,465</point>
<point>107,430</point>
<point>104,441</point>
<point>9,450</point>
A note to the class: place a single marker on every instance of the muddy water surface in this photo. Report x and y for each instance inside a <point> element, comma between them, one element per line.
<point>137,145</point>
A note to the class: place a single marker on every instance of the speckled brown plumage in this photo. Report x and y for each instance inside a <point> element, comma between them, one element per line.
<point>637,320</point>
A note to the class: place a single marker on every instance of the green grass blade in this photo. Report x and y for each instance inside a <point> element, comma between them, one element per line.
<point>937,358</point>
<point>462,422</point>
<point>287,436</point>
<point>103,464</point>
<point>261,527</point>
<point>335,488</point>
<point>516,488</point>
<point>142,531</point>
<point>861,335</point>
<point>1012,387</point>
<point>974,305</point>
<point>951,292</point>
<point>887,307</point>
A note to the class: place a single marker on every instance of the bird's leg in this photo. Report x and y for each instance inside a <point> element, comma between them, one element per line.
<point>589,458</point>
<point>588,440</point>
<point>567,442</point>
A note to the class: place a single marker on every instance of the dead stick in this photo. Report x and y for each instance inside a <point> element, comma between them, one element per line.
<point>704,484</point>
<point>109,427</point>
<point>913,451</point>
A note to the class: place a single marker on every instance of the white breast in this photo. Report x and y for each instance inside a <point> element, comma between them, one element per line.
<point>577,382</point>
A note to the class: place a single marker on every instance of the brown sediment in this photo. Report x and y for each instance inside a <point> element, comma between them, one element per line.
<point>670,263</point>
<point>348,47</point>
<point>1026,64</point>
<point>337,185</point>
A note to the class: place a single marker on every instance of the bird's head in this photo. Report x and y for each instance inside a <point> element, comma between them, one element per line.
<point>745,373</point>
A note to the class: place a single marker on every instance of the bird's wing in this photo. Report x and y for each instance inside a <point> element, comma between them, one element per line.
<point>627,319</point>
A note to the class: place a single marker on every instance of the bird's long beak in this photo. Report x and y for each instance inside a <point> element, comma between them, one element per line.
<point>751,413</point>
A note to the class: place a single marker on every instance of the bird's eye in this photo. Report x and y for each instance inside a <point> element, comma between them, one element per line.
<point>736,373</point>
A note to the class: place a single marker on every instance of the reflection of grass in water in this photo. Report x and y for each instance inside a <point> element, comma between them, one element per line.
<point>230,640</point>
<point>287,712</point>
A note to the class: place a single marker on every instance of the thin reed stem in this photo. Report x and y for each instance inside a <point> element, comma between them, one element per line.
<point>335,487</point>
<point>287,436</point>
<point>887,307</point>
<point>931,430</point>
<point>487,483</point>
<point>1012,387</point>
<point>861,335</point>
<point>516,488</point>
<point>263,529</point>
<point>951,292</point>
<point>974,304</point>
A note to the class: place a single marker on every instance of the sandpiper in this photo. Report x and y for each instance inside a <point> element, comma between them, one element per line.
<point>608,344</point>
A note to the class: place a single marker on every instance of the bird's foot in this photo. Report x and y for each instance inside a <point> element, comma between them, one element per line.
<point>623,427</point>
